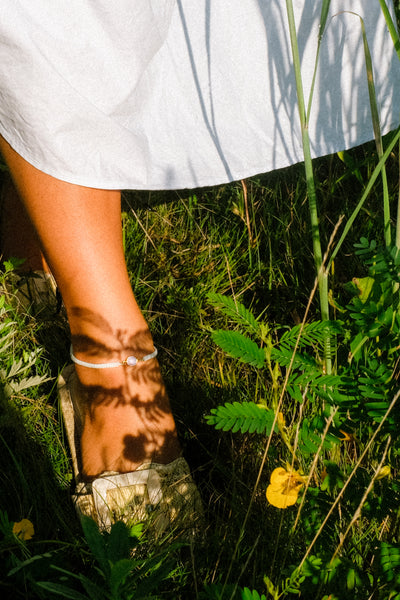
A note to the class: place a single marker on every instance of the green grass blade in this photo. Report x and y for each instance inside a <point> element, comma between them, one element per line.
<point>365,195</point>
<point>296,61</point>
<point>61,590</point>
<point>391,26</point>
<point>377,132</point>
<point>322,25</point>
<point>396,42</point>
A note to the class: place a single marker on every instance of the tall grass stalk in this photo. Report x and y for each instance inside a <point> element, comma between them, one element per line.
<point>377,133</point>
<point>322,274</point>
<point>383,156</point>
<point>396,42</point>
<point>304,115</point>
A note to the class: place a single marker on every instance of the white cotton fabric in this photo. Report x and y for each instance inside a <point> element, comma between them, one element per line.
<point>168,94</point>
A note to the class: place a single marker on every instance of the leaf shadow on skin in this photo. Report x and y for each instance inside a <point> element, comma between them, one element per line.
<point>142,419</point>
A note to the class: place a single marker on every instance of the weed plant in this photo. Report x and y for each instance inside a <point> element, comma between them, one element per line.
<point>224,276</point>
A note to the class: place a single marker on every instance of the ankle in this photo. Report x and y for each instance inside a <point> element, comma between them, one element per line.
<point>110,360</point>
<point>127,420</point>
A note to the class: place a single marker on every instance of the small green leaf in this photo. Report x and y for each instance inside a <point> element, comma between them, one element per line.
<point>61,590</point>
<point>247,594</point>
<point>119,573</point>
<point>96,543</point>
<point>118,542</point>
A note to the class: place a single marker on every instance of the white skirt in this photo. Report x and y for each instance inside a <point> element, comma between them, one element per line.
<point>168,94</point>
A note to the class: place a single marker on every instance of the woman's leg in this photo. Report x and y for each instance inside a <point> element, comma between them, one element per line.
<point>18,239</point>
<point>127,415</point>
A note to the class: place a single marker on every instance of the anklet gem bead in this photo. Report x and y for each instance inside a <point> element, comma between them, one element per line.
<point>131,361</point>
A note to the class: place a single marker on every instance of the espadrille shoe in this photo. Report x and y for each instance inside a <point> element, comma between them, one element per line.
<point>35,291</point>
<point>163,496</point>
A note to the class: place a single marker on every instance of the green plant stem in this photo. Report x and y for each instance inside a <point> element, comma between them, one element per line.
<point>310,181</point>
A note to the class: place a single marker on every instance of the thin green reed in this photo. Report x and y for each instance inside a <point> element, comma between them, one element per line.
<point>383,155</point>
<point>396,42</point>
<point>391,26</point>
<point>377,133</point>
<point>322,273</point>
<point>323,270</point>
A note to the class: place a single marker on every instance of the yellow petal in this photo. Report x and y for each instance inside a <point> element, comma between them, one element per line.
<point>277,497</point>
<point>284,488</point>
<point>24,529</point>
<point>278,476</point>
<point>384,472</point>
<point>289,479</point>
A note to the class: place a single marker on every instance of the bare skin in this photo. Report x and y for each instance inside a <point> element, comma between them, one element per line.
<point>128,419</point>
<point>18,238</point>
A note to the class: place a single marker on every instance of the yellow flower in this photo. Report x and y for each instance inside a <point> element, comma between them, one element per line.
<point>24,529</point>
<point>284,487</point>
<point>385,471</point>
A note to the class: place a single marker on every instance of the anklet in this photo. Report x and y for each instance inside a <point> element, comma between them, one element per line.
<point>130,361</point>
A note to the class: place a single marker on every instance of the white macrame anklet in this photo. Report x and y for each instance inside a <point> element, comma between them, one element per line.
<point>130,361</point>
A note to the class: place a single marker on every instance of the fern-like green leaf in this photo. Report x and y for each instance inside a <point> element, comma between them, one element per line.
<point>239,346</point>
<point>301,360</point>
<point>246,417</point>
<point>235,310</point>
<point>312,334</point>
<point>389,561</point>
<point>310,438</point>
<point>384,262</point>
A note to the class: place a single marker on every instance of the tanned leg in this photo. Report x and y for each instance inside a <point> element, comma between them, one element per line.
<point>128,419</point>
<point>18,238</point>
